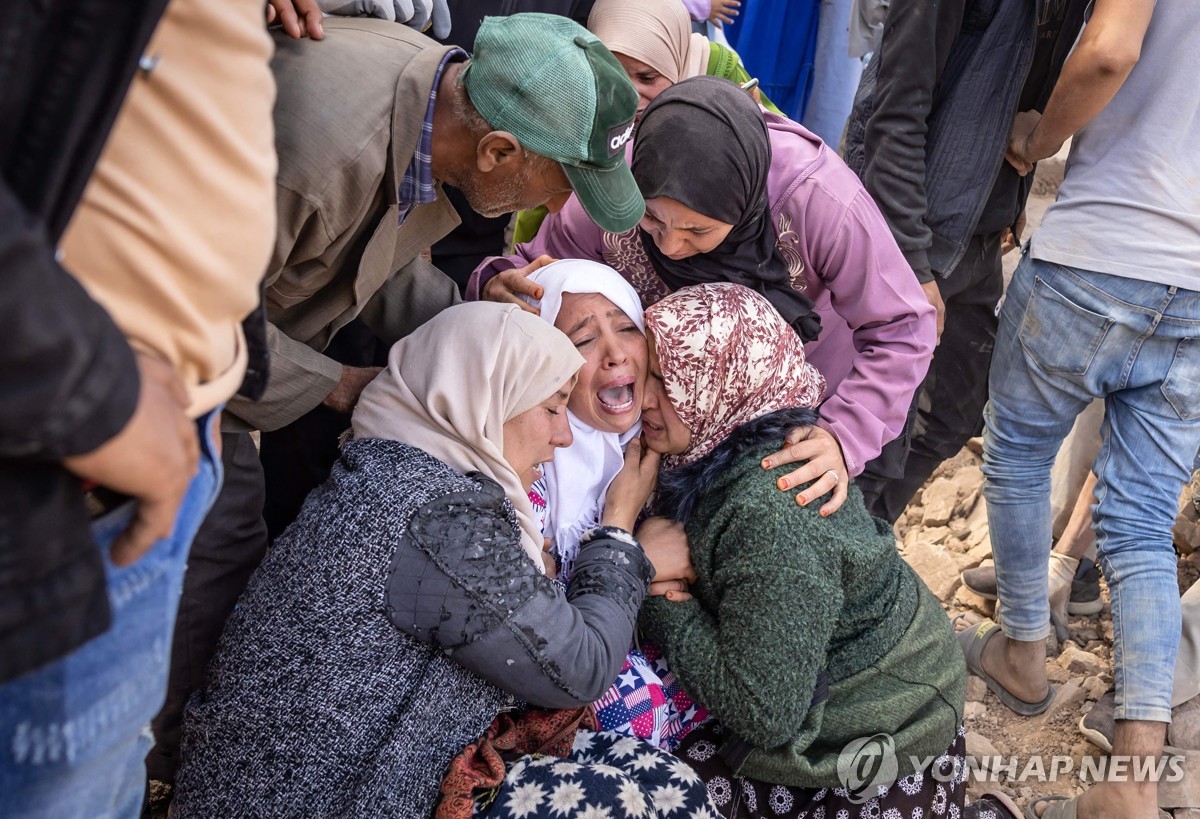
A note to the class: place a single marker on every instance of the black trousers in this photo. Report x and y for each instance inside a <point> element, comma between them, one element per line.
<point>948,408</point>
<point>228,548</point>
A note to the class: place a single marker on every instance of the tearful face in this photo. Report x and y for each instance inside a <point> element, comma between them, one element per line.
<point>608,395</point>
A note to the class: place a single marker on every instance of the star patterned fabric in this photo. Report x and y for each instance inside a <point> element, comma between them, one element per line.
<point>606,776</point>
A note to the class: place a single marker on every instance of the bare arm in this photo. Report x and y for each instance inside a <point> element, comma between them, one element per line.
<point>1108,49</point>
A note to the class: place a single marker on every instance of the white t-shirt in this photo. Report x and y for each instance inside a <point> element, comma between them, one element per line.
<point>1130,202</point>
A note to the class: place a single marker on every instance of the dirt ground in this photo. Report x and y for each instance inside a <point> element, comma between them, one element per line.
<point>945,531</point>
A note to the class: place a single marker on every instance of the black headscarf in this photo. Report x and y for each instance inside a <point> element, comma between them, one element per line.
<point>703,143</point>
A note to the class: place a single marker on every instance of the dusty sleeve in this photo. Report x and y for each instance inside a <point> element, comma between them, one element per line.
<point>496,614</point>
<point>301,378</point>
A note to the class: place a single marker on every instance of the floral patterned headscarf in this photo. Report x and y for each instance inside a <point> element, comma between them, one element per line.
<point>727,357</point>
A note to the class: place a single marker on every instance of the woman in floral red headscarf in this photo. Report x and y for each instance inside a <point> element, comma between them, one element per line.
<point>800,633</point>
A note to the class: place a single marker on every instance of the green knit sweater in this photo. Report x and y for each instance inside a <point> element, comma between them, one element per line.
<point>783,594</point>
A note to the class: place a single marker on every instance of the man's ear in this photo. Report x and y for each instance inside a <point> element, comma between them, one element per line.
<point>497,148</point>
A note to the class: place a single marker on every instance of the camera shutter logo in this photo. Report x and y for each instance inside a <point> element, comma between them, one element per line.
<point>866,763</point>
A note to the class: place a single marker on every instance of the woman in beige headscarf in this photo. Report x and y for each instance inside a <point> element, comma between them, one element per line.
<point>408,604</point>
<point>654,42</point>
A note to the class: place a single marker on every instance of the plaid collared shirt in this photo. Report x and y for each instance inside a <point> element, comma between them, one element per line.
<point>417,188</point>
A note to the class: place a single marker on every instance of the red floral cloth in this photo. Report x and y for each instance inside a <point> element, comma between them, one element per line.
<point>482,765</point>
<point>727,357</point>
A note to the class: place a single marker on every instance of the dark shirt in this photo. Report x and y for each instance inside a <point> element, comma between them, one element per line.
<point>1007,199</point>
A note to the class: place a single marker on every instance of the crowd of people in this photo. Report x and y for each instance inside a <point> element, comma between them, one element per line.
<point>326,498</point>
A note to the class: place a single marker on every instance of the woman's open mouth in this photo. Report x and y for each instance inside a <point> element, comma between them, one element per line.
<point>616,397</point>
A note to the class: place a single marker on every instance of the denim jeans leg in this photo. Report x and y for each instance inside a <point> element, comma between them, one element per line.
<point>74,734</point>
<point>1135,344</point>
<point>1027,416</point>
<point>1141,468</point>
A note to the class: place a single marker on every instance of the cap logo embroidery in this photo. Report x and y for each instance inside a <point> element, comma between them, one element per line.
<point>618,136</point>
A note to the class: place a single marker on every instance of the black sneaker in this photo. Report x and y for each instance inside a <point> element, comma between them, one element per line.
<point>1098,724</point>
<point>982,581</point>
<point>1085,590</point>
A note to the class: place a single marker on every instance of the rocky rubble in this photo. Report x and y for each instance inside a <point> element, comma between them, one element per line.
<point>945,531</point>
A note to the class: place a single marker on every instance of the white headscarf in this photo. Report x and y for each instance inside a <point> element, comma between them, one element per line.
<point>450,386</point>
<point>578,478</point>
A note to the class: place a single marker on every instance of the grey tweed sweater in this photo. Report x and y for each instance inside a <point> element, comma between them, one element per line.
<point>386,629</point>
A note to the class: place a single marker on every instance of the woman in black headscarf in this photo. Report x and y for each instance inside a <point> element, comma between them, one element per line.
<point>727,187</point>
<point>735,194</point>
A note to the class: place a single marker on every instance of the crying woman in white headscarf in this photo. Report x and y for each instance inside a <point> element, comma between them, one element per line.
<point>602,316</point>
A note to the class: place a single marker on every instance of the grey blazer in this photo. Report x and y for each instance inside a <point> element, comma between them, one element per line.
<point>347,121</point>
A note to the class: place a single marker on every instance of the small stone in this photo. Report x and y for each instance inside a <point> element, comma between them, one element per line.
<point>976,446</point>
<point>979,746</point>
<point>1067,699</point>
<point>976,691</point>
<point>974,710</point>
<point>1095,687</point>
<point>1184,793</point>
<point>1184,731</point>
<point>955,544</point>
<point>959,528</point>
<point>979,554</point>
<point>967,599</point>
<point>939,500</point>
<point>978,523</point>
<point>1055,673</point>
<point>969,480</point>
<point>939,567</point>
<point>1080,662</point>
<point>937,534</point>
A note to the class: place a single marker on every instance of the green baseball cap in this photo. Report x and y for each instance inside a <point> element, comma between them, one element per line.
<point>555,87</point>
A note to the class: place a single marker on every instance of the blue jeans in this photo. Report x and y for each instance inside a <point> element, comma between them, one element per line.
<point>74,734</point>
<point>1066,336</point>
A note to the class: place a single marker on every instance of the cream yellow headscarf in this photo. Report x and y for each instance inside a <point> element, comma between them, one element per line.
<point>450,386</point>
<point>655,32</point>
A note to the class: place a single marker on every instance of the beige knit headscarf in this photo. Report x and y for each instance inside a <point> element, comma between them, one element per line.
<point>450,386</point>
<point>655,32</point>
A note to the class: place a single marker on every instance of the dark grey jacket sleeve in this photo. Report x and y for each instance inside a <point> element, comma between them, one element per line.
<point>916,42</point>
<point>461,581</point>
<point>68,380</point>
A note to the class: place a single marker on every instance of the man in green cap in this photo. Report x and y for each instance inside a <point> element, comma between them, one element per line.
<point>370,121</point>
